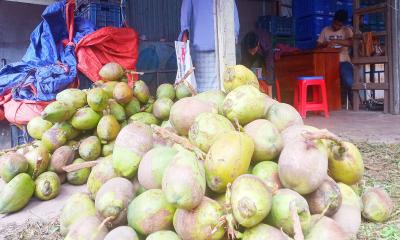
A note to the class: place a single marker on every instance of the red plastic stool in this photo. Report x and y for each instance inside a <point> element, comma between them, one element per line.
<point>319,102</point>
<point>278,91</point>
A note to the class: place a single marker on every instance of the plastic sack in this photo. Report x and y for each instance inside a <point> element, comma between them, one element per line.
<point>21,112</point>
<point>185,65</point>
<point>109,44</point>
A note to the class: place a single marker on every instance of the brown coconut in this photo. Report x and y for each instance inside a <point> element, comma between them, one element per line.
<point>61,157</point>
<point>349,219</point>
<point>327,195</point>
<point>325,228</point>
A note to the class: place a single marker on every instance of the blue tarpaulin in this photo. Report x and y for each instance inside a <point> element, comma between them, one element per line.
<point>48,66</point>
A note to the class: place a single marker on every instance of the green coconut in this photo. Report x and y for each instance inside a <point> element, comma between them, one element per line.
<point>132,143</point>
<point>37,126</point>
<point>16,193</point>
<point>268,142</point>
<point>153,165</point>
<point>54,138</point>
<point>264,232</point>
<point>184,112</point>
<point>166,90</point>
<point>184,183</point>
<point>349,197</point>
<point>47,186</point>
<point>108,128</point>
<point>107,149</point>
<point>122,93</point>
<point>69,130</point>
<point>325,228</point>
<point>303,166</point>
<point>144,117</point>
<point>87,228</point>
<point>12,164</point>
<point>148,107</point>
<point>345,163</point>
<point>111,72</point>
<point>201,223</point>
<point>90,148</point>
<point>327,198</point>
<point>206,128</point>
<point>228,158</point>
<point>108,87</point>
<point>244,104</point>
<point>250,205</point>
<point>182,91</point>
<point>163,235</point>
<point>215,97</point>
<point>132,107</point>
<point>74,96</point>
<point>122,233</point>
<point>268,103</point>
<point>117,110</point>
<point>78,177</point>
<point>162,108</point>
<point>283,115</point>
<point>77,206</point>
<point>112,200</point>
<point>58,112</point>
<point>97,99</point>
<point>150,212</point>
<point>61,157</point>
<point>239,75</point>
<point>100,174</point>
<point>284,203</point>
<point>38,161</point>
<point>141,91</point>
<point>377,205</point>
<point>85,119</point>
<point>269,173</point>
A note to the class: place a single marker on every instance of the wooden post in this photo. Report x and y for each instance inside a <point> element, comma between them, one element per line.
<point>225,44</point>
<point>395,59</point>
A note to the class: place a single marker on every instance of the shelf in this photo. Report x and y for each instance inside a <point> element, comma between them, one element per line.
<point>375,34</point>
<point>370,60</point>
<point>370,86</point>
<point>373,9</point>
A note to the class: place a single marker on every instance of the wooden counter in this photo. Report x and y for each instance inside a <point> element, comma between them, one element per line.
<point>321,62</point>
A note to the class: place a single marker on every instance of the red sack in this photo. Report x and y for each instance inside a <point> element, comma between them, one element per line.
<point>21,113</point>
<point>1,114</point>
<point>109,44</point>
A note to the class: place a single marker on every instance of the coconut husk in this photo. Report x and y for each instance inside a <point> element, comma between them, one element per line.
<point>79,166</point>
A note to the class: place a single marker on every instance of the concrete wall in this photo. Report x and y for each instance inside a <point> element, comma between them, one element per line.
<point>17,21</point>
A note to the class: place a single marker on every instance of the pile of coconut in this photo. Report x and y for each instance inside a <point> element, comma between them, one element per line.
<point>215,165</point>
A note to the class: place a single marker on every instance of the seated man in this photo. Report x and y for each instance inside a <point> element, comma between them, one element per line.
<point>341,37</point>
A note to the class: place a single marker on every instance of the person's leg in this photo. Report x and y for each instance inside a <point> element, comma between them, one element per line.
<point>205,71</point>
<point>346,76</point>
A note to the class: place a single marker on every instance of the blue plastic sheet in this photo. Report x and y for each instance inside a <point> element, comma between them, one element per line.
<point>47,67</point>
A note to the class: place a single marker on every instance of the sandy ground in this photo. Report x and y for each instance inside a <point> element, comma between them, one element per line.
<point>39,210</point>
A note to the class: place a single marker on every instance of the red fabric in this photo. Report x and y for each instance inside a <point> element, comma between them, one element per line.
<point>109,44</point>
<point>263,86</point>
<point>21,113</point>
<point>1,114</point>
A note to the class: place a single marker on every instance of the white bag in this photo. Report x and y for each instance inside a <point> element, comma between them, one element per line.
<point>185,65</point>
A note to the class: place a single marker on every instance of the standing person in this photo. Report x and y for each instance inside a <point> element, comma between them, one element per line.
<point>197,24</point>
<point>257,52</point>
<point>341,37</point>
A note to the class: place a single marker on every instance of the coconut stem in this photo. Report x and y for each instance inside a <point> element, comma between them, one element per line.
<point>105,221</point>
<point>324,134</point>
<point>79,166</point>
<point>164,133</point>
<point>298,233</point>
<point>238,127</point>
<point>16,148</point>
<point>230,220</point>
<point>183,81</point>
